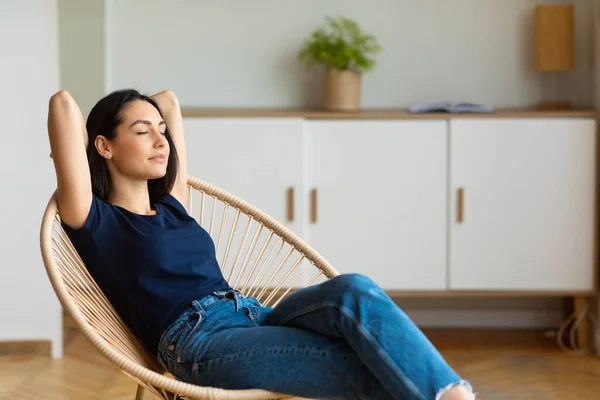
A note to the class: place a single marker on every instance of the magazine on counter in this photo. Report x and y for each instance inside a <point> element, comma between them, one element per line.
<point>452,108</point>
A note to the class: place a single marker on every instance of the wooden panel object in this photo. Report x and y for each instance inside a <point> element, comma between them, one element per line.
<point>554,38</point>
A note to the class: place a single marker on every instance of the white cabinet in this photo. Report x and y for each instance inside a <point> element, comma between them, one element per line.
<point>380,199</point>
<point>528,198</point>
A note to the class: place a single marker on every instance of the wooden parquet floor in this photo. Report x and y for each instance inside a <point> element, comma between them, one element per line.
<point>502,365</point>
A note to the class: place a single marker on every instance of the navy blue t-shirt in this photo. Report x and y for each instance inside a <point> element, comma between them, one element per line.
<point>150,267</point>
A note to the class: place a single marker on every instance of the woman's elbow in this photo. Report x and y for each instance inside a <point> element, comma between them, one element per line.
<point>168,99</point>
<point>61,100</point>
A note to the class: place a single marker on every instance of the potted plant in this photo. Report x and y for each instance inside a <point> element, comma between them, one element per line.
<point>346,52</point>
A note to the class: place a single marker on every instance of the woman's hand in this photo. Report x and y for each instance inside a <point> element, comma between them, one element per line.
<point>169,106</point>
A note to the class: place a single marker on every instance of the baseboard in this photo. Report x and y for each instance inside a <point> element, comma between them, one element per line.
<point>595,312</point>
<point>501,319</point>
<point>484,313</point>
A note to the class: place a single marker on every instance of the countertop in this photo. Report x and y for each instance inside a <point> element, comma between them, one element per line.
<point>189,112</point>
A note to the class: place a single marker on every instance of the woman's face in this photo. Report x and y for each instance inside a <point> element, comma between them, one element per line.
<point>140,149</point>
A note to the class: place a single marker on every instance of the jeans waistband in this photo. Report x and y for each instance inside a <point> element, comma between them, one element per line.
<point>207,301</point>
<point>202,304</point>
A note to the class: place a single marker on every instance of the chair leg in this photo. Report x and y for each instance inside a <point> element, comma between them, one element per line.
<point>139,394</point>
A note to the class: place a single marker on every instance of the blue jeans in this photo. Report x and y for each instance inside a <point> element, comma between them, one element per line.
<point>341,339</point>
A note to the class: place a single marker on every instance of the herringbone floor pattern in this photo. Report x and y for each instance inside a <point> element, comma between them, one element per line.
<point>502,365</point>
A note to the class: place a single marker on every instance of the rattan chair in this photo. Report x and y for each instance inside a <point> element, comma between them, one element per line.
<point>257,254</point>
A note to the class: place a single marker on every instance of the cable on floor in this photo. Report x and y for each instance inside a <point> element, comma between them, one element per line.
<point>573,323</point>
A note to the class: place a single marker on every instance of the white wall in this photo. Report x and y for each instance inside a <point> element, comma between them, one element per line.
<point>29,310</point>
<point>242,53</point>
<point>81,37</point>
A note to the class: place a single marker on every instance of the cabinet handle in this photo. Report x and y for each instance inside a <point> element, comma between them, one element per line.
<point>313,206</point>
<point>460,203</point>
<point>290,204</point>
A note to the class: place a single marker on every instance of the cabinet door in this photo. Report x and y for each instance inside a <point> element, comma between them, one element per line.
<point>528,190</point>
<point>258,160</point>
<point>381,199</point>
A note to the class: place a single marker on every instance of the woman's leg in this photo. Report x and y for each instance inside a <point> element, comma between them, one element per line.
<point>353,308</point>
<point>224,346</point>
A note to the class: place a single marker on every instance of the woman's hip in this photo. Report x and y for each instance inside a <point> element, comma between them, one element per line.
<point>214,313</point>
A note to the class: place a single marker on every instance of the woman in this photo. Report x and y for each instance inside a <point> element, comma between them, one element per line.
<point>121,204</point>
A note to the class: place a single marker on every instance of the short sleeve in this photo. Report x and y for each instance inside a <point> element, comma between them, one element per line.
<point>97,209</point>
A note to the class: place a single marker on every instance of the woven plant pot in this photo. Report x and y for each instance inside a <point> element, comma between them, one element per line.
<point>341,90</point>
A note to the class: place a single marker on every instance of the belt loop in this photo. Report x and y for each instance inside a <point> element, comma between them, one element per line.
<point>197,305</point>
<point>234,296</point>
<point>237,301</point>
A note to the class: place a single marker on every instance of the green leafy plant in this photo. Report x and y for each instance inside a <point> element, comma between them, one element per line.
<point>341,44</point>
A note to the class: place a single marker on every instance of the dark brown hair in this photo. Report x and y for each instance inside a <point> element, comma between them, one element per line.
<point>104,118</point>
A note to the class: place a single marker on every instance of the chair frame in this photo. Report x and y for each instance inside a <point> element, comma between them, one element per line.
<point>132,359</point>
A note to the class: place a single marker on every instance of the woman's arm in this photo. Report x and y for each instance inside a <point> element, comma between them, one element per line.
<point>169,106</point>
<point>68,141</point>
